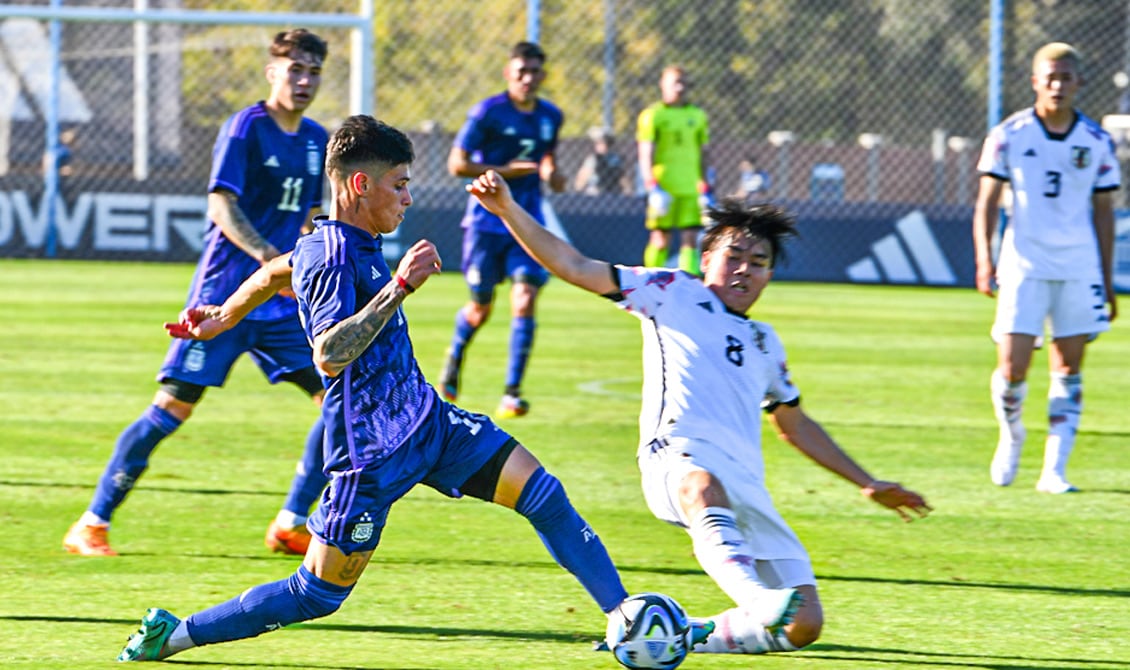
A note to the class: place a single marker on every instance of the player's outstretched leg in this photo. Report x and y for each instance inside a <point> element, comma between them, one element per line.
<point>724,553</point>
<point>89,536</point>
<point>1008,401</point>
<point>287,532</point>
<point>569,538</point>
<point>260,609</point>
<point>1065,405</point>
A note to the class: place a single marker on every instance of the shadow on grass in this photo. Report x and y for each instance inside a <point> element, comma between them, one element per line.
<point>830,652</point>
<point>949,659</point>
<point>148,487</point>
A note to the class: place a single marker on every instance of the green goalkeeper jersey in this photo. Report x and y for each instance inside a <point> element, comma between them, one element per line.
<point>678,133</point>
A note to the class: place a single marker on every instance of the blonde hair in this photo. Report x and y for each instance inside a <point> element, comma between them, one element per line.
<point>1056,51</point>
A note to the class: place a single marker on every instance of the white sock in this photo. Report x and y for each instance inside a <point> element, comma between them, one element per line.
<point>179,640</point>
<point>1065,405</point>
<point>736,632</point>
<point>89,518</point>
<point>288,519</point>
<point>1008,403</point>
<point>724,553</point>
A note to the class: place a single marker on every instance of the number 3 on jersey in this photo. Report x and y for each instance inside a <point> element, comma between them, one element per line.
<point>292,195</point>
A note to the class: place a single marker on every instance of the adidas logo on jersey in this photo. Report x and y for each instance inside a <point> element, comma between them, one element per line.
<point>273,161</point>
<point>376,272</point>
<point>1030,152</point>
<point>912,239</point>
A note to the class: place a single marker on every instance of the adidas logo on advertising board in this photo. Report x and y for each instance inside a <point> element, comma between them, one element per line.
<point>910,255</point>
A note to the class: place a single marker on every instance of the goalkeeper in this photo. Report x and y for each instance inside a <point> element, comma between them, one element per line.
<point>671,138</point>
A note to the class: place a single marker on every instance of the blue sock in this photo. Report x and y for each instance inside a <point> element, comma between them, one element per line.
<point>267,607</point>
<point>521,342</point>
<point>309,480</point>
<point>131,458</point>
<point>569,539</point>
<point>464,331</point>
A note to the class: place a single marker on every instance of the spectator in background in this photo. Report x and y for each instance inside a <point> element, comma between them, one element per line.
<point>671,138</point>
<point>1055,267</point>
<point>753,182</point>
<point>603,169</point>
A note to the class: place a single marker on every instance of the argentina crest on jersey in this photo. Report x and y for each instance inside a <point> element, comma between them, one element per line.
<point>546,130</point>
<point>363,529</point>
<point>1080,156</point>
<point>313,158</point>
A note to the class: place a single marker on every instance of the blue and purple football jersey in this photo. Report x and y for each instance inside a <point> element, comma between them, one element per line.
<point>277,177</point>
<point>496,132</point>
<point>379,400</point>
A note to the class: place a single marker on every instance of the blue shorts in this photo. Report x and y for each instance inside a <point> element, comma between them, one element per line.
<point>278,347</point>
<point>450,445</point>
<point>488,258</point>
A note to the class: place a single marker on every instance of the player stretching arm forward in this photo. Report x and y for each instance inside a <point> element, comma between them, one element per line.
<point>707,370</point>
<point>386,428</point>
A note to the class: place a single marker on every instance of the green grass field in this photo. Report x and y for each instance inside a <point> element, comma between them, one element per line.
<point>996,578</point>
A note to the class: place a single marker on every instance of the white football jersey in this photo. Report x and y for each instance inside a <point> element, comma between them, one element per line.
<point>707,372</point>
<point>1050,233</point>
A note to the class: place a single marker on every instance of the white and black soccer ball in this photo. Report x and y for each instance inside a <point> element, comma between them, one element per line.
<point>649,630</point>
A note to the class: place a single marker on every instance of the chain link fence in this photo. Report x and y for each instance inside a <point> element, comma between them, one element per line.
<point>841,103</point>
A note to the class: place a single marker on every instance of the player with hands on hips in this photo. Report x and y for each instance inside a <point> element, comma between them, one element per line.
<point>1055,267</point>
<point>707,370</point>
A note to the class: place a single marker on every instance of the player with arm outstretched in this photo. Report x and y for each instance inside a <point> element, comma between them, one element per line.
<point>387,429</point>
<point>265,186</point>
<point>708,369</point>
<point>515,134</point>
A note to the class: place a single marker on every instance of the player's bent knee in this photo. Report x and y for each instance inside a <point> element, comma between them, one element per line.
<point>316,597</point>
<point>807,624</point>
<point>803,633</point>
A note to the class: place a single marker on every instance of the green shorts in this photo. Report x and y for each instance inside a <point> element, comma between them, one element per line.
<point>684,213</point>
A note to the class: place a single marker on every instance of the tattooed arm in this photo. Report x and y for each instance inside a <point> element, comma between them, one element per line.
<point>339,345</point>
<point>224,211</point>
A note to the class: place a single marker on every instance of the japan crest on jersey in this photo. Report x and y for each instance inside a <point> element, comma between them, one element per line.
<point>313,159</point>
<point>1080,156</point>
<point>546,130</point>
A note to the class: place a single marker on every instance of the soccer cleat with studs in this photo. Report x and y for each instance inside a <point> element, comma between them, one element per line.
<point>146,644</point>
<point>511,406</point>
<point>294,541</point>
<point>87,540</point>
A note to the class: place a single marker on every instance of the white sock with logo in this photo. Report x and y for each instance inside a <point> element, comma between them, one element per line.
<point>1065,405</point>
<point>1008,403</point>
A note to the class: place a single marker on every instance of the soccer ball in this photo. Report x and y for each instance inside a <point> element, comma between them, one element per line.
<point>649,630</point>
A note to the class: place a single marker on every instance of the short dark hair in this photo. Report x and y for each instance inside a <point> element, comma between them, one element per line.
<point>764,221</point>
<point>362,141</point>
<point>298,39</point>
<point>527,50</point>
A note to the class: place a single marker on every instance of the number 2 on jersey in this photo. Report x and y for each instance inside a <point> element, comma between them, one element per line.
<point>292,195</point>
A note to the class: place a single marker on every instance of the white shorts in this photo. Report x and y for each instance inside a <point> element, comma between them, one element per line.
<point>768,535</point>
<point>1069,307</point>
